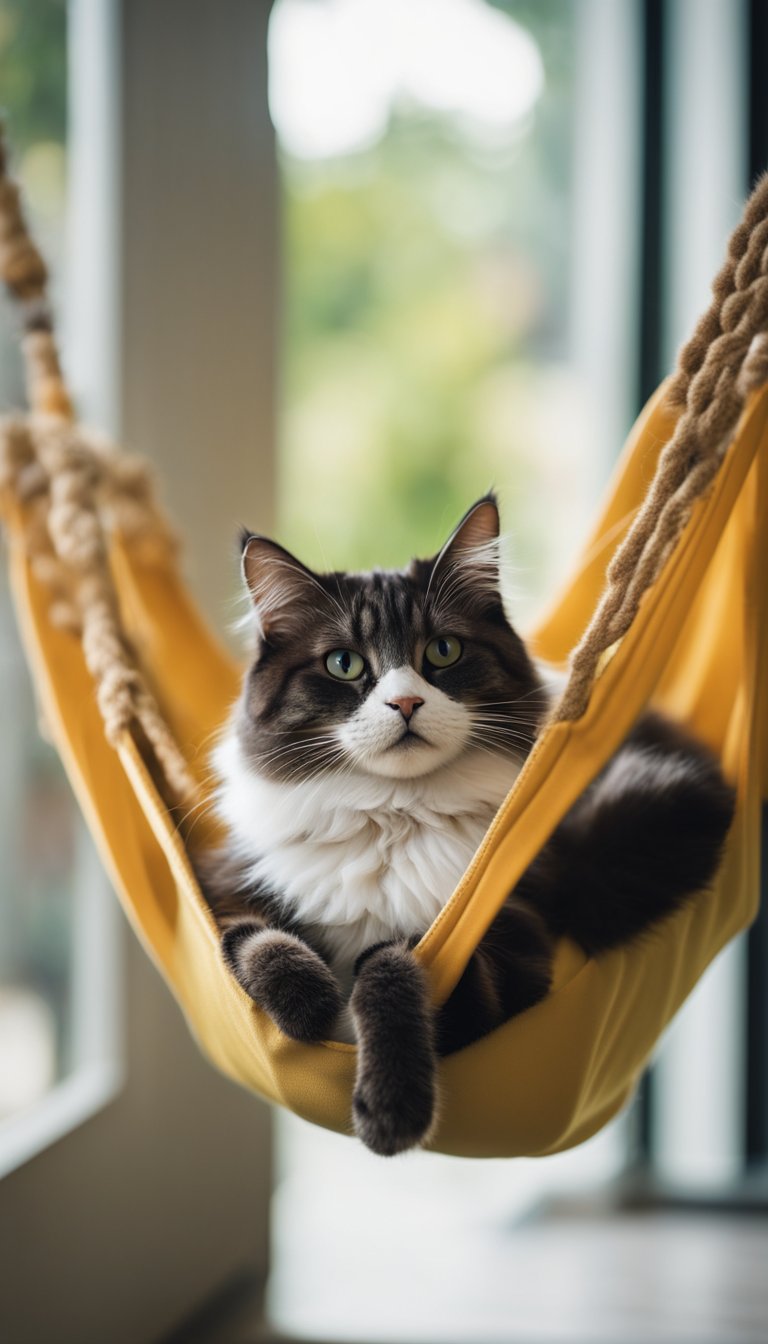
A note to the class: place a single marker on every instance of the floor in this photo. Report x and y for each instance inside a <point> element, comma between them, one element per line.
<point>564,1276</point>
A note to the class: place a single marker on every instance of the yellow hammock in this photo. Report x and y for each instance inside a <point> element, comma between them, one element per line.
<point>132,684</point>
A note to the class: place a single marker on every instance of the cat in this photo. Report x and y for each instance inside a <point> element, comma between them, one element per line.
<point>382,721</point>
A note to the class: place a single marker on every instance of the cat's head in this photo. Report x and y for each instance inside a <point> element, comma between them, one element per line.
<point>394,673</point>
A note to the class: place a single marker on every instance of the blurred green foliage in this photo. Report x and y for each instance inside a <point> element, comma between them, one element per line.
<point>427,284</point>
<point>33,108</point>
<point>33,69</point>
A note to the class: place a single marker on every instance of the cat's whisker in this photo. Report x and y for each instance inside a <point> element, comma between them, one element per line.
<point>322,771</point>
<point>492,749</point>
<point>329,750</point>
<point>513,719</point>
<point>510,710</point>
<point>503,721</point>
<point>297,757</point>
<point>343,771</point>
<point>208,782</point>
<point>215,735</point>
<point>195,807</point>
<point>304,744</point>
<point>506,733</point>
<point>307,744</point>
<point>535,690</point>
<point>507,717</point>
<point>206,776</point>
<point>516,700</point>
<point>315,750</point>
<point>203,808</point>
<point>504,741</point>
<point>489,735</point>
<point>503,738</point>
<point>504,725</point>
<point>308,730</point>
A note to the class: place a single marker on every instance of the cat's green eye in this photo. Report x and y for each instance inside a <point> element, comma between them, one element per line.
<point>443,651</point>
<point>345,664</point>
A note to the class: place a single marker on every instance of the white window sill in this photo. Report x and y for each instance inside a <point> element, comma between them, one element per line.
<point>67,1105</point>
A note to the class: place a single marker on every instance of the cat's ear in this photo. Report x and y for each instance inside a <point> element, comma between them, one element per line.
<point>283,591</point>
<point>468,564</point>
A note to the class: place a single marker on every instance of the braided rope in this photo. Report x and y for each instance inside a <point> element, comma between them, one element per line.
<point>68,485</point>
<point>725,359</point>
<point>25,274</point>
<point>75,490</point>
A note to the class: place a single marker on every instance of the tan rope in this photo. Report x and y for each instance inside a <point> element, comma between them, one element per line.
<point>46,390</point>
<point>21,265</point>
<point>693,353</point>
<point>725,359</point>
<point>25,273</point>
<point>70,486</point>
<point>76,490</point>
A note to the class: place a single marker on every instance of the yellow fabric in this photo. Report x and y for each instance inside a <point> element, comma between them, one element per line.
<point>552,1077</point>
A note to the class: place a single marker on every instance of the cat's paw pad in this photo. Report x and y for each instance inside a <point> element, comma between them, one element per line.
<point>285,977</point>
<point>395,1096</point>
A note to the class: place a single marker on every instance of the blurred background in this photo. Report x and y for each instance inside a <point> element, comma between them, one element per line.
<point>338,266</point>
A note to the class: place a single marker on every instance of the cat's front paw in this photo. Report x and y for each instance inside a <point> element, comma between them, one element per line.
<point>395,1096</point>
<point>285,977</point>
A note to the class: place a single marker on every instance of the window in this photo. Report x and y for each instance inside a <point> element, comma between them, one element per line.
<point>57,981</point>
<point>110,1197</point>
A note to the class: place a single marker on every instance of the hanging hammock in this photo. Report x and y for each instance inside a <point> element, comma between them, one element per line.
<point>680,622</point>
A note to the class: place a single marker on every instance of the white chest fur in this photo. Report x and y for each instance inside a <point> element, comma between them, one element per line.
<point>360,858</point>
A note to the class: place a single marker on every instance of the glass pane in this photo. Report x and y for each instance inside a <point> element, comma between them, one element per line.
<point>428,271</point>
<point>37,820</point>
<point>57,977</point>
<point>436,162</point>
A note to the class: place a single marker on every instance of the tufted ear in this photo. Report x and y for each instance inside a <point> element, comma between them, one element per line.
<point>467,567</point>
<point>283,591</point>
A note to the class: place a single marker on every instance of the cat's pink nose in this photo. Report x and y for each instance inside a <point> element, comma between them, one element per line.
<point>406,704</point>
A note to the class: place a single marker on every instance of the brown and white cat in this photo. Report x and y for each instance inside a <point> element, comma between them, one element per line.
<point>382,721</point>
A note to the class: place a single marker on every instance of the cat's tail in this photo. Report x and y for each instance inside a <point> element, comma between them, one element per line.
<point>25,275</point>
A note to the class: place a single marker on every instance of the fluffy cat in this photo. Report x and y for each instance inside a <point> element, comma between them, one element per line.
<point>382,721</point>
